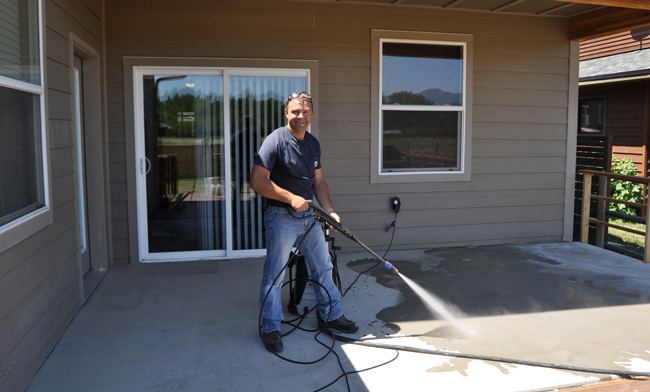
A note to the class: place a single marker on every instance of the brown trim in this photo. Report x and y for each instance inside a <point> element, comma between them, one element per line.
<point>607,21</point>
<point>591,220</point>
<point>623,177</point>
<point>612,200</point>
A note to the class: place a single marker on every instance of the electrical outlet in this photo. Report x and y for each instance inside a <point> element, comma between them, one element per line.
<point>395,204</point>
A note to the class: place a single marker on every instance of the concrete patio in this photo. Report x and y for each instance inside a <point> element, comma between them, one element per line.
<point>193,326</point>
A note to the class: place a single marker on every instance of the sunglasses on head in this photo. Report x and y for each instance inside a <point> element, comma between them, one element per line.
<point>298,95</point>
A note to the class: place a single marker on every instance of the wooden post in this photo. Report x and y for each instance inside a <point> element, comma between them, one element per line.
<point>586,201</point>
<point>646,251</point>
<point>646,140</point>
<point>601,213</point>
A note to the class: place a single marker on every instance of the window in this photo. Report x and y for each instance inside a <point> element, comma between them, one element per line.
<point>22,182</point>
<point>591,119</point>
<point>420,91</point>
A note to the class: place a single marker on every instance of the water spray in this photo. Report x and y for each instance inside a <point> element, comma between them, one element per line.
<point>432,302</point>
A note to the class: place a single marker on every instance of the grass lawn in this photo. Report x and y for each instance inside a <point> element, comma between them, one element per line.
<point>633,241</point>
<point>185,185</point>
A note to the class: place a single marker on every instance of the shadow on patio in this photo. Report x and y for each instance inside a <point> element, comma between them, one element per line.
<point>193,326</point>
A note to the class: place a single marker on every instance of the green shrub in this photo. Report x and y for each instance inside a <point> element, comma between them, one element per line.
<point>625,190</point>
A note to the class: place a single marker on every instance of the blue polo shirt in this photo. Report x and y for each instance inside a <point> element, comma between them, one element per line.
<point>292,162</point>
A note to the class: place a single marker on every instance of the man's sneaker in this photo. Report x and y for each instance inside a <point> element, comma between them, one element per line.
<point>341,324</point>
<point>273,341</point>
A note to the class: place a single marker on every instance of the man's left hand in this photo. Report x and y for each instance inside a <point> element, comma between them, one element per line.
<point>335,216</point>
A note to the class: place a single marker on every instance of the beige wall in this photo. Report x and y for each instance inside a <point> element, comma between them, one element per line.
<point>520,95</point>
<point>40,283</point>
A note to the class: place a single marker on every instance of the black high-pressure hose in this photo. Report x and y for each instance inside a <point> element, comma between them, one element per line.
<point>259,320</point>
<point>321,216</point>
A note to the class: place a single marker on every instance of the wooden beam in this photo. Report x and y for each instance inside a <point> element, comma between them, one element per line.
<point>453,3</point>
<point>556,8</point>
<point>606,21</point>
<point>508,5</point>
<point>637,4</point>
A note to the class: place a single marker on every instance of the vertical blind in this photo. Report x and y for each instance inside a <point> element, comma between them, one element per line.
<point>257,109</point>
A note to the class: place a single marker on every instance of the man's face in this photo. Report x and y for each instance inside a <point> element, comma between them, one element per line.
<point>299,115</point>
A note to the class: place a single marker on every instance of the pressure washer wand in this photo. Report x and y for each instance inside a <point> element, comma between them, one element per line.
<point>327,218</point>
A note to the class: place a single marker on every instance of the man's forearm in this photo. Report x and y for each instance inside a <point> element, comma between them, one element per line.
<point>322,193</point>
<point>268,189</point>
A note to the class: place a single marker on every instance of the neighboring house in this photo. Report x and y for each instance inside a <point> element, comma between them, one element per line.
<point>615,93</point>
<point>128,128</point>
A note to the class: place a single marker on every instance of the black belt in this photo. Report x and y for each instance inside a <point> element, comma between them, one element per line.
<point>276,203</point>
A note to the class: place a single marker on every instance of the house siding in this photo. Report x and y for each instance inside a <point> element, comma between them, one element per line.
<point>40,276</point>
<point>521,77</point>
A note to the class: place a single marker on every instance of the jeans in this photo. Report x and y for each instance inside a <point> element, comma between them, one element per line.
<point>283,232</point>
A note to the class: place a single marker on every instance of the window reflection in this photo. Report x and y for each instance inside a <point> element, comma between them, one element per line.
<point>420,74</point>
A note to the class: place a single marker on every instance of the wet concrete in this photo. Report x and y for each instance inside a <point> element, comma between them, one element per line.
<point>488,281</point>
<point>193,326</point>
<point>563,303</point>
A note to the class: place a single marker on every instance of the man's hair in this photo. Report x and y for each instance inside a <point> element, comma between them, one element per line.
<point>300,97</point>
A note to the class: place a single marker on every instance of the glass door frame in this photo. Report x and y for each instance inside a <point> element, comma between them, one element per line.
<point>141,165</point>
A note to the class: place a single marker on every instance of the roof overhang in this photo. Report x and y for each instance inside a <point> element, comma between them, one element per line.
<point>609,20</point>
<point>587,18</point>
<point>617,79</point>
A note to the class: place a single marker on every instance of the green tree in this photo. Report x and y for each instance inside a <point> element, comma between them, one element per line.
<point>625,190</point>
<point>407,98</point>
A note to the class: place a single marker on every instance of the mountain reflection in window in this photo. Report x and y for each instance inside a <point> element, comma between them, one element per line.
<point>422,74</point>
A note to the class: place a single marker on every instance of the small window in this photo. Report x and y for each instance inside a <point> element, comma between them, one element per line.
<point>19,39</point>
<point>21,190</point>
<point>591,116</point>
<point>421,127</point>
<point>23,199</point>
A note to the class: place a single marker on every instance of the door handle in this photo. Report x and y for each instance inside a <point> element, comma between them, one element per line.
<point>143,167</point>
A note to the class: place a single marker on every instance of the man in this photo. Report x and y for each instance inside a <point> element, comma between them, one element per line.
<point>287,172</point>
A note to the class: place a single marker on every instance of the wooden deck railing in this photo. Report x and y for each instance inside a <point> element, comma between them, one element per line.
<point>586,202</point>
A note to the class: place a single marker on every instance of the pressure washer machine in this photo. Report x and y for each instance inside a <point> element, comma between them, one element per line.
<point>302,276</point>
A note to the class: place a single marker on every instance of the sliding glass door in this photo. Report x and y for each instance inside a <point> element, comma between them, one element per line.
<point>196,151</point>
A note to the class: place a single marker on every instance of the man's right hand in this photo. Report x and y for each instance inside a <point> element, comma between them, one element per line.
<point>299,204</point>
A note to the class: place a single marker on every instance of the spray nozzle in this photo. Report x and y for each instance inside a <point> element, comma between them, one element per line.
<point>391,267</point>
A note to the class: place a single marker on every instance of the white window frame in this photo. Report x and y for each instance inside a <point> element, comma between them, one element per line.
<point>21,228</point>
<point>144,256</point>
<point>463,173</point>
